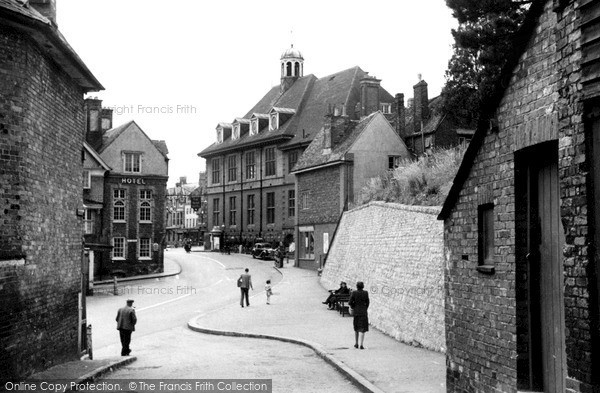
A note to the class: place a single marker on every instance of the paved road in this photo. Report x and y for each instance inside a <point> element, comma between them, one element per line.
<point>207,282</point>
<point>166,348</point>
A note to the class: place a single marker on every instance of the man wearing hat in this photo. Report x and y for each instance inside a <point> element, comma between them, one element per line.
<point>342,290</point>
<point>126,321</point>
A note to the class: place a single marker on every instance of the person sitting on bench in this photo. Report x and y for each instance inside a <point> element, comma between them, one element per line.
<point>342,290</point>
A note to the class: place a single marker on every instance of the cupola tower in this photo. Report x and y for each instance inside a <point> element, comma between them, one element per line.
<point>292,67</point>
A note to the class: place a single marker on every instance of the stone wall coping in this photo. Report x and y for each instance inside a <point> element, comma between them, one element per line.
<point>434,210</point>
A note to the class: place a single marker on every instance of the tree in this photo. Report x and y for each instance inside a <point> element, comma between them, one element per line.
<point>482,40</point>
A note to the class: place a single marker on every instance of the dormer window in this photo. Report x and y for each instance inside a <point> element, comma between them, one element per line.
<point>273,121</point>
<point>386,108</point>
<point>236,132</point>
<point>219,135</point>
<point>254,127</point>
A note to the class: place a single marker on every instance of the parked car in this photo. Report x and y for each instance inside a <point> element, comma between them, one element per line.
<point>263,251</point>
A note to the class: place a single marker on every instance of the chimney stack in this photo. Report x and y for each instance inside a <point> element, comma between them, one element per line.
<point>107,119</point>
<point>46,8</point>
<point>369,95</point>
<point>93,134</point>
<point>401,112</point>
<point>327,129</point>
<point>420,104</point>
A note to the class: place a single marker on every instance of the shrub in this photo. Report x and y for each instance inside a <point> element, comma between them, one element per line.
<point>425,181</point>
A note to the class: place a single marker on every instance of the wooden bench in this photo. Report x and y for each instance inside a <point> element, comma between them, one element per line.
<point>341,304</point>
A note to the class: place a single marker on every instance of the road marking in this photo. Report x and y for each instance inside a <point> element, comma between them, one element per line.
<point>165,302</point>
<point>214,260</point>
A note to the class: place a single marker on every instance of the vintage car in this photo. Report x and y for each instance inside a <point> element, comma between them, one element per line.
<point>263,251</point>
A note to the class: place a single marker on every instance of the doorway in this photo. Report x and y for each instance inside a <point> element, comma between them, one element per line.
<point>541,360</point>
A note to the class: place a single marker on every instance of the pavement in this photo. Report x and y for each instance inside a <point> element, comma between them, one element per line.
<point>80,371</point>
<point>296,315</point>
<point>170,269</point>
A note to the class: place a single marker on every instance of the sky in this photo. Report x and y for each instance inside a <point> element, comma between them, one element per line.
<point>178,68</point>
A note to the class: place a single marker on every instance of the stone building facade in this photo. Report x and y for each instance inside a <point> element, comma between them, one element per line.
<point>251,193</point>
<point>42,126</point>
<point>520,220</point>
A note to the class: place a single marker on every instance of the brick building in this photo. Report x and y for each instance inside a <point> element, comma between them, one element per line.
<point>134,201</point>
<point>332,170</point>
<point>251,193</point>
<point>428,126</point>
<point>42,126</point>
<point>521,219</point>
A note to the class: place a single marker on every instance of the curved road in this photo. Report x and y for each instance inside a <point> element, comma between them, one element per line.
<point>166,348</point>
<point>207,282</point>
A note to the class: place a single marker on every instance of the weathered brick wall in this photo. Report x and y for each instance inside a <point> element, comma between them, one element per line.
<point>397,251</point>
<point>323,188</point>
<point>41,138</point>
<point>542,103</point>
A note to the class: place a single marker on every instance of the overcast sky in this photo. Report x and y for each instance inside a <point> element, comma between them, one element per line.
<point>180,67</point>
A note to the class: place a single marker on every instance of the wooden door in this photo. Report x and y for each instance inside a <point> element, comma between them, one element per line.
<point>545,239</point>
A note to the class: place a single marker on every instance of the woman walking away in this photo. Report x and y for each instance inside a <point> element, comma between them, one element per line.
<point>359,302</point>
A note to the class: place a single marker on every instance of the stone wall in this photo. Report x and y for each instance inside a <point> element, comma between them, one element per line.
<point>41,140</point>
<point>397,251</point>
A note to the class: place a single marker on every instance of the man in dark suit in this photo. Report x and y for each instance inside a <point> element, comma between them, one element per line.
<point>246,284</point>
<point>126,321</point>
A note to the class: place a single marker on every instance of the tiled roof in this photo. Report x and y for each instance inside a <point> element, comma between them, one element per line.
<point>313,155</point>
<point>309,97</point>
<point>111,135</point>
<point>21,15</point>
<point>23,8</point>
<point>161,146</point>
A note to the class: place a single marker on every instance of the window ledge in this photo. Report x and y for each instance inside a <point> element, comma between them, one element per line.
<point>486,269</point>
<point>119,259</point>
<point>145,258</point>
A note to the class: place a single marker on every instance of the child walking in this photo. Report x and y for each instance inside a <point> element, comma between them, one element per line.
<point>268,291</point>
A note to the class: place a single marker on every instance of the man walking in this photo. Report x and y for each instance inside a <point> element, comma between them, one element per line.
<point>126,321</point>
<point>246,284</point>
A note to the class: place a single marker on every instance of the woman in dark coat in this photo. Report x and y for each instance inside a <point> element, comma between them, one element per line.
<point>359,302</point>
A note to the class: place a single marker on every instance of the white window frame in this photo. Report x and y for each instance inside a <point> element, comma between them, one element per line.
<point>144,253</point>
<point>145,211</point>
<point>273,121</point>
<point>146,195</point>
<point>123,249</point>
<point>119,197</point>
<point>236,132</point>
<point>220,135</point>
<point>133,156</point>
<point>88,221</point>
<point>87,179</point>
<point>386,108</point>
<point>254,127</point>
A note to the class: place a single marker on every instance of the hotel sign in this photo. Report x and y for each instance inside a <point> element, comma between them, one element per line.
<point>133,180</point>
